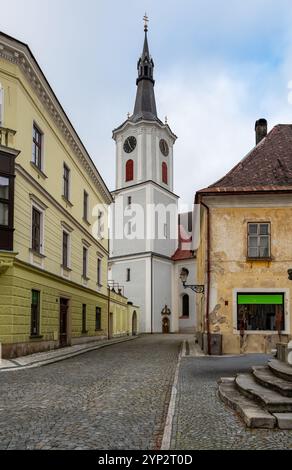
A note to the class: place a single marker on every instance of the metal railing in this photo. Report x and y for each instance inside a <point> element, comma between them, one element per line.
<point>116,287</point>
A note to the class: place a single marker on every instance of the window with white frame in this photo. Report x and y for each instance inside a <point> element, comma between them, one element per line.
<point>259,240</point>
<point>99,272</point>
<point>37,147</point>
<point>85,262</point>
<point>37,231</point>
<point>66,250</point>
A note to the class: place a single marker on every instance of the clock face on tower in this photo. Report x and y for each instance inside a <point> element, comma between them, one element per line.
<point>130,144</point>
<point>164,147</point>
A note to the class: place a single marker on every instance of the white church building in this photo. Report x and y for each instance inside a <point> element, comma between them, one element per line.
<point>150,242</point>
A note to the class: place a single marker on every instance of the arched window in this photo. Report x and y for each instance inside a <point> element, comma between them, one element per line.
<point>129,170</point>
<point>164,173</point>
<point>185,305</point>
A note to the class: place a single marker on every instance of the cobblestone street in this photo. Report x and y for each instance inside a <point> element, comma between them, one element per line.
<point>118,397</point>
<point>203,422</point>
<point>114,398</point>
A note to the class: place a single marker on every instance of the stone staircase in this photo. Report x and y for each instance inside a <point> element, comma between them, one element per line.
<point>263,398</point>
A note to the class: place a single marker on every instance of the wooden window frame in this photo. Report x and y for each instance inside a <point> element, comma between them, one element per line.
<point>164,169</point>
<point>37,145</point>
<point>129,170</point>
<point>65,250</point>
<point>37,245</point>
<point>84,262</point>
<point>66,182</point>
<point>128,274</point>
<point>99,272</point>
<point>98,319</point>
<point>7,202</point>
<point>35,314</point>
<point>259,236</point>
<point>84,319</point>
<point>85,205</point>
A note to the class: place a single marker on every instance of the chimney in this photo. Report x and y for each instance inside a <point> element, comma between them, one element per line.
<point>261,130</point>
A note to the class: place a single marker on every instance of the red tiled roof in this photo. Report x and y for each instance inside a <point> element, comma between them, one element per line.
<point>268,167</point>
<point>182,254</point>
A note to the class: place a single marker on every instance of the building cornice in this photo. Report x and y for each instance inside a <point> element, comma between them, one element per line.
<point>146,123</point>
<point>49,197</point>
<point>144,183</point>
<point>19,54</point>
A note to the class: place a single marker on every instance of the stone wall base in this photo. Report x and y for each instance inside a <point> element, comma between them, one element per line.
<point>11,351</point>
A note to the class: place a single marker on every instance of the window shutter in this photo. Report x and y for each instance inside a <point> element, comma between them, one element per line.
<point>130,170</point>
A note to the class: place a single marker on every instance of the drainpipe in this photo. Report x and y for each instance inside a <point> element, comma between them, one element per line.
<point>108,312</point>
<point>151,293</point>
<point>208,278</point>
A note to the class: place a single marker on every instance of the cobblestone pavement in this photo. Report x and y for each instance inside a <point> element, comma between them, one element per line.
<point>113,398</point>
<point>203,422</point>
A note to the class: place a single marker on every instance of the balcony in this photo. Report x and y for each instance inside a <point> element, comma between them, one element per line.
<point>7,137</point>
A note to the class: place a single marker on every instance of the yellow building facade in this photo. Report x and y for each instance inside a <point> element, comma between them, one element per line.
<point>245,252</point>
<point>53,220</point>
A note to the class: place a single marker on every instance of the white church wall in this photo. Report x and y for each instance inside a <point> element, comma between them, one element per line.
<point>137,289</point>
<point>128,244</point>
<point>166,245</point>
<point>162,280</point>
<point>185,325</point>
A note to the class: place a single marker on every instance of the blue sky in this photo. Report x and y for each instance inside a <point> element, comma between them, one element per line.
<point>219,66</point>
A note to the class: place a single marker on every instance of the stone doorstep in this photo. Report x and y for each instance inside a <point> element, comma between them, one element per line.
<point>13,366</point>
<point>284,420</point>
<point>271,400</point>
<point>252,414</point>
<point>264,376</point>
<point>281,369</point>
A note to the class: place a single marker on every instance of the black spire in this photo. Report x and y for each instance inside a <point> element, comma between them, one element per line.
<point>145,106</point>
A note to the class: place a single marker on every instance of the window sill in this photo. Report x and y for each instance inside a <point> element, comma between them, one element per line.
<point>99,285</point>
<point>84,278</point>
<point>67,201</point>
<point>261,332</point>
<point>184,318</point>
<point>84,333</point>
<point>99,330</point>
<point>259,259</point>
<point>36,253</point>
<point>36,337</point>
<point>66,268</point>
<point>39,171</point>
<point>86,222</point>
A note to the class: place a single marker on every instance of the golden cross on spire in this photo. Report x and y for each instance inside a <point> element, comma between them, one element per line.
<point>146,21</point>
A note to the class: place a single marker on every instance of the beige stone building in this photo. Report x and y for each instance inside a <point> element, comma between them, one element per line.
<point>245,250</point>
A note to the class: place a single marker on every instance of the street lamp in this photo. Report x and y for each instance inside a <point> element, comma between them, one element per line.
<point>184,277</point>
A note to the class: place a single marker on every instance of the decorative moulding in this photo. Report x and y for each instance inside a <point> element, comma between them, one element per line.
<point>19,54</point>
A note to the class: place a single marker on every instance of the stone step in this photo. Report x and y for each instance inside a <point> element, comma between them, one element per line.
<point>284,420</point>
<point>252,414</point>
<point>264,376</point>
<point>281,369</point>
<point>269,399</point>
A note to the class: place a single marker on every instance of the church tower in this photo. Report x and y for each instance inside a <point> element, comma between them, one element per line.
<point>145,220</point>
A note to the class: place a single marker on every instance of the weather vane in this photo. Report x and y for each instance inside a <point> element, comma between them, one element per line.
<point>146,21</point>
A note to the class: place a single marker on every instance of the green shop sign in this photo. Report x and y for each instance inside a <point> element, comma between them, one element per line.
<point>263,299</point>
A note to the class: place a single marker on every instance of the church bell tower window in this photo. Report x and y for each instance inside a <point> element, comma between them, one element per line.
<point>129,170</point>
<point>164,173</point>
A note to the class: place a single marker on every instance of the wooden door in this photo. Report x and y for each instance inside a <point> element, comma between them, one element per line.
<point>64,304</point>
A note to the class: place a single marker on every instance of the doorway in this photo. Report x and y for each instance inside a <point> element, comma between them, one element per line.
<point>64,306</point>
<point>111,325</point>
<point>134,323</point>
<point>165,326</point>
